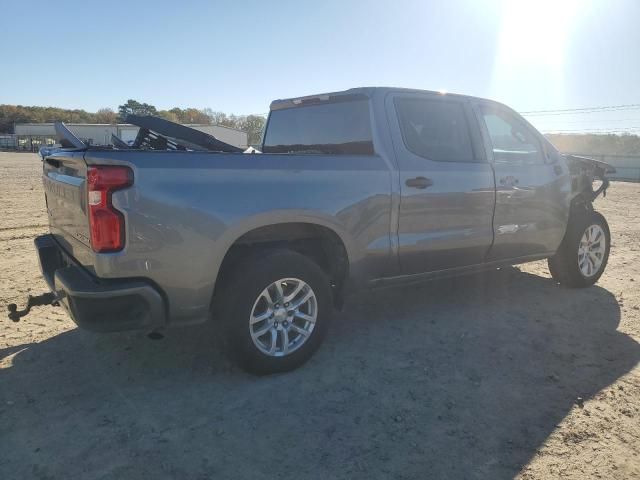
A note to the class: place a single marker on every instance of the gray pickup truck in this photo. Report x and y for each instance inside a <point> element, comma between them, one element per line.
<point>357,189</point>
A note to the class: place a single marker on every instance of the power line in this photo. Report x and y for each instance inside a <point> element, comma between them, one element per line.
<point>628,105</point>
<point>587,121</point>
<point>569,111</point>
<point>590,130</point>
<point>612,125</point>
<point>576,113</point>
<point>595,130</point>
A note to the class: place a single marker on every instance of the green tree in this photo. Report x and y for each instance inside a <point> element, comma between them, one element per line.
<point>193,115</point>
<point>106,115</point>
<point>168,115</point>
<point>11,114</point>
<point>603,144</point>
<point>220,118</point>
<point>136,108</point>
<point>253,125</point>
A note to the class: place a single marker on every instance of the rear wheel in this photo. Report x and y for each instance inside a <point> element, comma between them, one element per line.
<point>277,308</point>
<point>584,252</point>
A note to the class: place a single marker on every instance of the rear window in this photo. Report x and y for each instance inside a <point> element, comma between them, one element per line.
<point>342,128</point>
<point>435,129</point>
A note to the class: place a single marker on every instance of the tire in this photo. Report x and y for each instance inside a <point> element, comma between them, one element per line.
<point>569,266</point>
<point>243,299</point>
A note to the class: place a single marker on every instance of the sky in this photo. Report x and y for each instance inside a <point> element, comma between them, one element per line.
<point>237,56</point>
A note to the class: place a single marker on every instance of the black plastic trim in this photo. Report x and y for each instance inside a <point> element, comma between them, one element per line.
<point>101,306</point>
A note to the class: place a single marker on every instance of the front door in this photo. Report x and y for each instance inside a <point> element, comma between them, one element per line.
<point>532,192</point>
<point>447,186</point>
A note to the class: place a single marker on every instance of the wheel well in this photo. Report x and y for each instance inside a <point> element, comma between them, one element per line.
<point>580,206</point>
<point>320,244</point>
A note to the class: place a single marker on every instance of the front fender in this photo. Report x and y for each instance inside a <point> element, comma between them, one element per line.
<point>584,172</point>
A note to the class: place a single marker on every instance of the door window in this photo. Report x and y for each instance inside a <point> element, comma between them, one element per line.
<point>512,141</point>
<point>435,129</point>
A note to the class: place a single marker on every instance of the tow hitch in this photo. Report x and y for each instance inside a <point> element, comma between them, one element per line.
<point>48,298</point>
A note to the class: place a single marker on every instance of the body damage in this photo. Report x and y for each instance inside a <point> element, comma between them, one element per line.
<point>588,178</point>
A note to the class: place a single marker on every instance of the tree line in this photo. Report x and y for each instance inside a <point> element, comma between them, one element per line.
<point>597,144</point>
<point>11,114</point>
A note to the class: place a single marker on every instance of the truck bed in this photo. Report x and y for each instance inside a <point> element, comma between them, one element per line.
<point>185,209</point>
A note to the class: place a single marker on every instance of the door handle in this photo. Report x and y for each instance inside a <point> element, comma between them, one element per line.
<point>509,181</point>
<point>419,182</point>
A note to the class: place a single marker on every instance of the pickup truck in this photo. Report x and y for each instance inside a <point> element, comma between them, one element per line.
<point>363,188</point>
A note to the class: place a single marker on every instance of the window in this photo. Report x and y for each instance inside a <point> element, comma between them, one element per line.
<point>511,139</point>
<point>435,129</point>
<point>339,128</point>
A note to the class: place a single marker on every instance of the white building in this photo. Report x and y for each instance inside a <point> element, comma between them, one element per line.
<point>31,136</point>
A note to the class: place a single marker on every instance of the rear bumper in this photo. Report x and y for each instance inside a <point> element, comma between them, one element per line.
<point>96,304</point>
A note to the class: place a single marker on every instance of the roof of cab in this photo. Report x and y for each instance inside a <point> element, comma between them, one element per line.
<point>359,92</point>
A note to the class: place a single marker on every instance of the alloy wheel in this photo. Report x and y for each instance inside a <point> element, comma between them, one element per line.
<point>283,317</point>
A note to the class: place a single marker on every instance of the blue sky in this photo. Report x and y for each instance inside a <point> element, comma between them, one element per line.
<point>236,56</point>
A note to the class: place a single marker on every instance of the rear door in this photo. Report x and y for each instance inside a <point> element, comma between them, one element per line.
<point>447,186</point>
<point>531,189</point>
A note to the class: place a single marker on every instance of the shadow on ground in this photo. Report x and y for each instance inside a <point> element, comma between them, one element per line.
<point>465,378</point>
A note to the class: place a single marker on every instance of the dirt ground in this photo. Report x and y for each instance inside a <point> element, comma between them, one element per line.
<point>496,376</point>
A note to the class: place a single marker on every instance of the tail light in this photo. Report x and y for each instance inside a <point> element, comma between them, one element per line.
<point>106,224</point>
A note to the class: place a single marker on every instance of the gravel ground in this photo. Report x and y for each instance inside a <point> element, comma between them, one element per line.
<point>495,376</point>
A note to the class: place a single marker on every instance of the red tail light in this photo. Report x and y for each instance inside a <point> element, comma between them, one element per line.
<point>106,224</point>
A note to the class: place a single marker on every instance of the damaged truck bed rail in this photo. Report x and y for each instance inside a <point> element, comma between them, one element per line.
<point>154,134</point>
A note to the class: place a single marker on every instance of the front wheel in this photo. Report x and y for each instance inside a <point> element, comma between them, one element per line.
<point>584,252</point>
<point>277,307</point>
